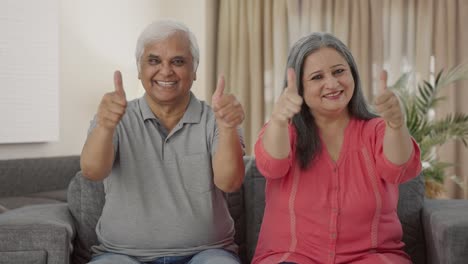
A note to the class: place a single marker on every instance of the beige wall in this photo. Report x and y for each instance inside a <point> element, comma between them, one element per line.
<point>96,38</point>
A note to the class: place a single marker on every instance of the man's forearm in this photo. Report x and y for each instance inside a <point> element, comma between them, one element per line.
<point>228,163</point>
<point>97,156</point>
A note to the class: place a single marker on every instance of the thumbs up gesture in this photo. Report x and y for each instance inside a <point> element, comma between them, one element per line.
<point>113,105</point>
<point>289,103</point>
<point>228,110</point>
<point>388,105</point>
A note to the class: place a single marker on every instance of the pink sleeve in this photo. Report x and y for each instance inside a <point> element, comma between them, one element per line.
<point>269,166</point>
<point>389,171</point>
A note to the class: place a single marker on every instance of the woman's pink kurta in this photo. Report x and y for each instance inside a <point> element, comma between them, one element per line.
<point>334,212</point>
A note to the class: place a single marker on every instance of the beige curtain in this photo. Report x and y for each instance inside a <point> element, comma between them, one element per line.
<point>251,53</point>
<point>254,36</point>
<point>449,42</point>
<point>427,36</point>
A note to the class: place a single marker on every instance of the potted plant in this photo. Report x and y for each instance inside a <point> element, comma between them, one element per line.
<point>430,132</point>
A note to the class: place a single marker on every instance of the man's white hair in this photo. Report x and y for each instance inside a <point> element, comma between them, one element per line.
<point>160,30</point>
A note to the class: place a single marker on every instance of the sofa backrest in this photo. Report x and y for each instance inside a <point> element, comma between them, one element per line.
<point>34,175</point>
<point>86,199</point>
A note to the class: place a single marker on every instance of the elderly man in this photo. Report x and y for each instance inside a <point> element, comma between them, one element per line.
<point>166,160</point>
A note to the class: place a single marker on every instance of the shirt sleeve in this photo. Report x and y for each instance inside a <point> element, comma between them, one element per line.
<point>269,166</point>
<point>389,171</point>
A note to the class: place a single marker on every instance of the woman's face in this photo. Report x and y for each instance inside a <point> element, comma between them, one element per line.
<point>328,83</point>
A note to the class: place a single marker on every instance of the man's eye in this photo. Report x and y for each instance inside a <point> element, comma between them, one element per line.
<point>316,77</point>
<point>153,61</point>
<point>178,62</point>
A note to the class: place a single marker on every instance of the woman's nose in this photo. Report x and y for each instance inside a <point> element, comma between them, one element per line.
<point>331,82</point>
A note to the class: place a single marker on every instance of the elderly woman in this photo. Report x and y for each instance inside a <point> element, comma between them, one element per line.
<point>332,166</point>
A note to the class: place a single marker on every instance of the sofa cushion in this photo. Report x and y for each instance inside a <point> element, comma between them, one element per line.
<point>236,208</point>
<point>59,195</point>
<point>50,197</point>
<point>24,257</point>
<point>3,209</point>
<point>410,206</point>
<point>33,229</point>
<point>446,230</point>
<point>14,202</point>
<point>254,200</point>
<point>85,201</point>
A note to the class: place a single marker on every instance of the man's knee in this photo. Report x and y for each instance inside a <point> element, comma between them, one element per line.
<point>215,256</point>
<point>109,258</point>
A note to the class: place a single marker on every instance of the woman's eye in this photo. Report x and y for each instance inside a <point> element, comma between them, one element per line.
<point>316,77</point>
<point>339,71</point>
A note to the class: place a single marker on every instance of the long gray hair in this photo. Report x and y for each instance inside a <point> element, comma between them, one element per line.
<point>160,30</point>
<point>308,140</point>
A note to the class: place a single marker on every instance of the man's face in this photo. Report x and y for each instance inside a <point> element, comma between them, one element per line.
<point>167,71</point>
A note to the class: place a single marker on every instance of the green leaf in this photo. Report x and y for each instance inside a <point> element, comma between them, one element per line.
<point>428,132</point>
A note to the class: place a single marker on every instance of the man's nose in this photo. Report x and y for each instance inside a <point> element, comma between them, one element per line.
<point>166,69</point>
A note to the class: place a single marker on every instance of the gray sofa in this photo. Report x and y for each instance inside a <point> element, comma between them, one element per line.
<point>435,231</point>
<point>35,180</point>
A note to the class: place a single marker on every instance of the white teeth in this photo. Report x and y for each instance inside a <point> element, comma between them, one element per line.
<point>165,84</point>
<point>333,94</point>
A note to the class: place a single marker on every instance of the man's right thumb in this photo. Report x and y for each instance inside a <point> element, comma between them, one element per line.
<point>118,85</point>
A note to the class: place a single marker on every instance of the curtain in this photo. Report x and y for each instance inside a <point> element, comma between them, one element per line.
<point>251,53</point>
<point>254,36</point>
<point>449,42</point>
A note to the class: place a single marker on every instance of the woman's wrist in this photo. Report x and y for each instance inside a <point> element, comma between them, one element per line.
<point>395,126</point>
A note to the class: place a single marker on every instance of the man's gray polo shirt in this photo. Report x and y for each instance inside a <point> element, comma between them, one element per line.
<point>160,196</point>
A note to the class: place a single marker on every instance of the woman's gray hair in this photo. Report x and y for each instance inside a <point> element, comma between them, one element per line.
<point>308,140</point>
<point>160,30</point>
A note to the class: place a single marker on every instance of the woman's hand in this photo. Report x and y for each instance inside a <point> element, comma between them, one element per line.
<point>289,103</point>
<point>388,105</point>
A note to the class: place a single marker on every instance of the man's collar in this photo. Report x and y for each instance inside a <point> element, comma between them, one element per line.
<point>192,113</point>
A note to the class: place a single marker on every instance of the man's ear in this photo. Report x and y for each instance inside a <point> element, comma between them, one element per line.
<point>194,76</point>
<point>139,75</point>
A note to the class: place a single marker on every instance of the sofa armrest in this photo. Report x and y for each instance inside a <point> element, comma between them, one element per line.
<point>446,230</point>
<point>34,233</point>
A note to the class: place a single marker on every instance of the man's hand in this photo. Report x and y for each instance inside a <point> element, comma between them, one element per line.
<point>113,105</point>
<point>289,103</point>
<point>228,110</point>
<point>388,105</point>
